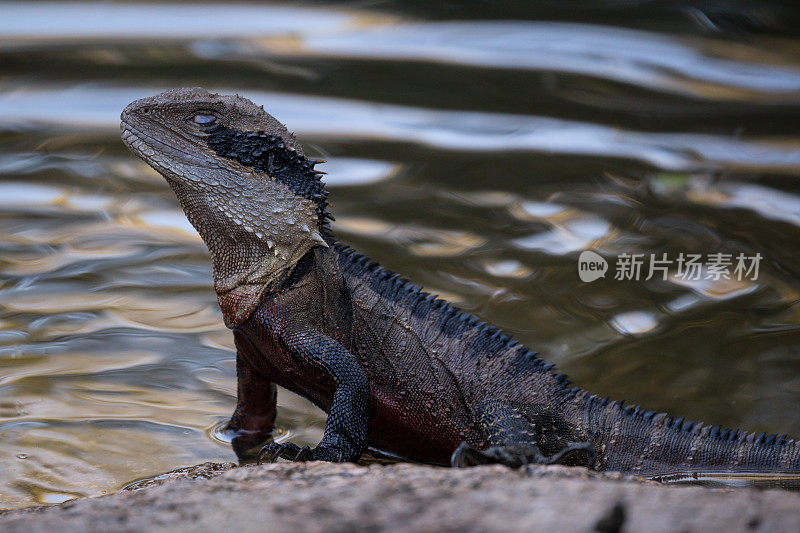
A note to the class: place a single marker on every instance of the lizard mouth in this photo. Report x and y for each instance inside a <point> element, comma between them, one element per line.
<point>135,141</point>
<point>158,154</point>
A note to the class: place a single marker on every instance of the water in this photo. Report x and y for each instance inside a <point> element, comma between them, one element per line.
<point>732,480</point>
<point>476,151</point>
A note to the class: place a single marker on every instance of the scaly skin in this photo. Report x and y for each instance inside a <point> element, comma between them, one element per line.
<point>394,367</point>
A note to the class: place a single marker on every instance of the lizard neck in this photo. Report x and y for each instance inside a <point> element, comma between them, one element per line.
<point>252,252</point>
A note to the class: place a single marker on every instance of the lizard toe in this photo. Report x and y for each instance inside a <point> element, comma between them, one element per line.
<point>275,450</point>
<point>328,454</point>
<point>574,454</point>
<point>466,455</point>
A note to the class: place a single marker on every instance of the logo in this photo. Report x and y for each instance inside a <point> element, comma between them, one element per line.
<point>718,266</point>
<point>591,266</point>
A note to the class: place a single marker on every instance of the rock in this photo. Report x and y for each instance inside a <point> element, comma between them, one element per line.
<point>408,497</point>
<point>201,471</point>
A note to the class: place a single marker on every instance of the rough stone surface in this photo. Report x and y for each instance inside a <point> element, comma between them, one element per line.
<point>406,497</point>
<point>201,471</point>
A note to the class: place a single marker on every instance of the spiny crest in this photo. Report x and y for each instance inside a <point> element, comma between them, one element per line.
<point>681,424</point>
<point>269,154</point>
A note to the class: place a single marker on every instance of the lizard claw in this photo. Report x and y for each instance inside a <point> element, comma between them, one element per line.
<point>276,450</point>
<point>286,450</point>
<point>303,455</point>
<point>466,455</point>
<point>516,456</point>
<point>574,454</point>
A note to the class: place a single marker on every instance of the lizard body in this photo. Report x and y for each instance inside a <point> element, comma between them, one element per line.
<point>394,367</point>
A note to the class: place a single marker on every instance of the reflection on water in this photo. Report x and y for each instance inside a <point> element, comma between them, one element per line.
<point>731,480</point>
<point>477,157</point>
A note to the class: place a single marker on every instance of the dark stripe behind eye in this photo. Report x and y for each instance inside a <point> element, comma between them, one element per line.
<point>269,154</point>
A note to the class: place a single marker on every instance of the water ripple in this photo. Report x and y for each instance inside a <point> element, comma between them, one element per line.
<point>447,130</point>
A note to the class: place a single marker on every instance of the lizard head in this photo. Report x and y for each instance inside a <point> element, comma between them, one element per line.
<point>240,176</point>
<point>196,138</point>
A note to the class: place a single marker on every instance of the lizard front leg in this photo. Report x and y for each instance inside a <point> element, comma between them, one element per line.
<point>253,419</point>
<point>346,428</point>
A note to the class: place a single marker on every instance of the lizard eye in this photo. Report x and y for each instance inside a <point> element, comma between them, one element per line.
<point>204,122</point>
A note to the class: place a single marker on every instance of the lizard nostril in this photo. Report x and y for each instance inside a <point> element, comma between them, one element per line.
<point>146,110</point>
